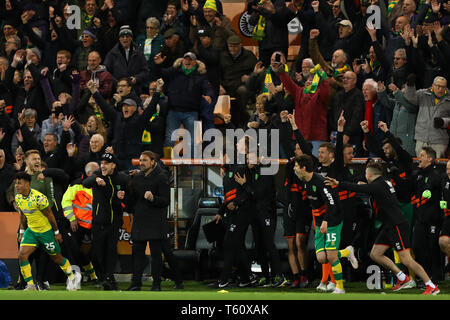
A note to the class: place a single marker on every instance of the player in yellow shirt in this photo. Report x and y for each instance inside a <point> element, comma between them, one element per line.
<point>42,230</point>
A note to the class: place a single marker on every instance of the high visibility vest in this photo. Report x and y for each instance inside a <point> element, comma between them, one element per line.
<point>77,205</point>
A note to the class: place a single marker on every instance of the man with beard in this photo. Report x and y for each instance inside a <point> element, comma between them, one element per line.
<point>149,197</point>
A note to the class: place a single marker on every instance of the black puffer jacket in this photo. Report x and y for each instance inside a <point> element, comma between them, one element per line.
<point>106,206</point>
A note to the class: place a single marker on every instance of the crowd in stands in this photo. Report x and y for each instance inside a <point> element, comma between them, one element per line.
<point>74,94</point>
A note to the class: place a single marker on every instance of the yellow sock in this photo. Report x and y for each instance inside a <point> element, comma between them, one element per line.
<point>336,267</point>
<point>90,271</point>
<point>25,269</point>
<point>67,268</point>
<point>344,253</point>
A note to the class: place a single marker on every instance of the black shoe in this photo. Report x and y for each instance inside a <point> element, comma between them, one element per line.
<point>109,285</point>
<point>244,284</point>
<point>254,279</point>
<point>95,283</point>
<point>219,285</point>
<point>20,285</point>
<point>155,288</point>
<point>40,286</point>
<point>179,286</point>
<point>134,287</point>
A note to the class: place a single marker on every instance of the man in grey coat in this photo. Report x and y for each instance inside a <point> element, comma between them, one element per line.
<point>431,103</point>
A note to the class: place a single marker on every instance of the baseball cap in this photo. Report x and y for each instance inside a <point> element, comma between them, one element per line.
<point>125,30</point>
<point>345,23</point>
<point>190,55</point>
<point>129,102</point>
<point>170,32</point>
<point>109,157</point>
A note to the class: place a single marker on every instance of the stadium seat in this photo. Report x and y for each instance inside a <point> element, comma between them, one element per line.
<point>221,108</point>
<point>198,250</point>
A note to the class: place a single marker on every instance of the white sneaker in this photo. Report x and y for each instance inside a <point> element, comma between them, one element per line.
<point>351,257</point>
<point>74,284</point>
<point>322,287</point>
<point>338,291</point>
<point>47,284</point>
<point>331,286</point>
<point>30,287</point>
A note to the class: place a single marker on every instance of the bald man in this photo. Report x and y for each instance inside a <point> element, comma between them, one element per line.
<point>351,101</point>
<point>97,72</point>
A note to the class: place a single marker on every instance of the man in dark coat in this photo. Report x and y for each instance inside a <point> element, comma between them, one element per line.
<point>127,60</point>
<point>150,197</point>
<point>108,190</point>
<point>127,124</point>
<point>187,86</point>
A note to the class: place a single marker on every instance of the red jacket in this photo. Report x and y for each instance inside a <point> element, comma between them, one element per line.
<point>310,109</point>
<point>103,77</point>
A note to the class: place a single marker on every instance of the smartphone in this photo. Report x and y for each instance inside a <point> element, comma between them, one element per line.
<point>277,58</point>
<point>58,111</point>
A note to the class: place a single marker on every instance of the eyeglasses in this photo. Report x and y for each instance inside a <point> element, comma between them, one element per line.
<point>439,86</point>
<point>154,28</point>
<point>397,58</point>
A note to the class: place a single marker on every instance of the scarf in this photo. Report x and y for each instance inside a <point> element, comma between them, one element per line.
<point>436,99</point>
<point>373,65</point>
<point>268,78</point>
<point>319,75</point>
<point>258,31</point>
<point>342,70</point>
<point>391,6</point>
<point>148,48</point>
<point>188,71</point>
<point>146,136</point>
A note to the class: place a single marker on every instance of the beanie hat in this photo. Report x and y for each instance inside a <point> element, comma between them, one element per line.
<point>37,52</point>
<point>210,4</point>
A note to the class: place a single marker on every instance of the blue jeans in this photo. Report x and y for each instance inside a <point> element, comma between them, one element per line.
<point>173,122</point>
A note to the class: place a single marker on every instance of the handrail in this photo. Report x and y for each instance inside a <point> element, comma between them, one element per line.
<point>218,162</point>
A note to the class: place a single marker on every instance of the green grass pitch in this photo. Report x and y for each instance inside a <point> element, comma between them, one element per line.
<point>199,291</point>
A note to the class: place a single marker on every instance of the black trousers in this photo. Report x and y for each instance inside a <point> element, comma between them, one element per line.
<point>263,225</point>
<point>157,248</point>
<point>425,243</point>
<point>234,251</point>
<point>104,239</point>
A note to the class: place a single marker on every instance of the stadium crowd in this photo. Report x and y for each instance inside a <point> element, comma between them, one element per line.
<point>77,105</point>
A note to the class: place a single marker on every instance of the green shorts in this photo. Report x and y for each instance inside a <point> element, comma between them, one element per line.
<point>47,239</point>
<point>329,241</point>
